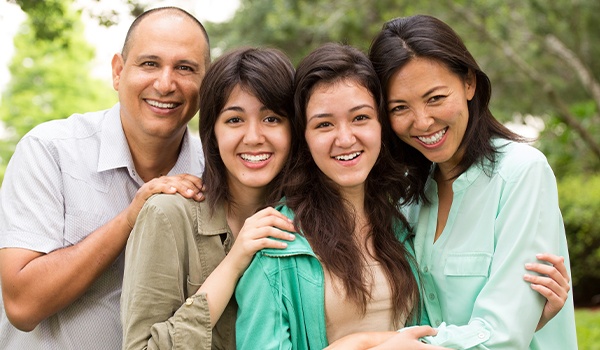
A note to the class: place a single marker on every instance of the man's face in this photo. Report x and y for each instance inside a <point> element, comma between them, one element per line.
<point>159,80</point>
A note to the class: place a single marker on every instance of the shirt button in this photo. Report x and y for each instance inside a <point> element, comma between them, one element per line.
<point>438,323</point>
<point>189,301</point>
<point>426,269</point>
<point>480,335</point>
<point>431,296</point>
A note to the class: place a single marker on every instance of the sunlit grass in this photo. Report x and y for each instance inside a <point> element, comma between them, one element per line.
<point>588,329</point>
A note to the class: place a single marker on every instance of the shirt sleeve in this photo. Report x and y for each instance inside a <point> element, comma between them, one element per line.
<point>262,321</point>
<point>32,201</point>
<point>154,310</point>
<point>528,221</point>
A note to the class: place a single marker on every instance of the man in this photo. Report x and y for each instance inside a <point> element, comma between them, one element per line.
<point>74,188</point>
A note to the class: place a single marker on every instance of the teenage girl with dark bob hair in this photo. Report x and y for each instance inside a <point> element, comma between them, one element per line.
<point>181,261</point>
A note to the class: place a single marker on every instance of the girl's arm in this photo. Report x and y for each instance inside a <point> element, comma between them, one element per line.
<point>254,236</point>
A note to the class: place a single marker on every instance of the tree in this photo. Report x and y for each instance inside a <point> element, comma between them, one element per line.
<point>538,54</point>
<point>50,79</point>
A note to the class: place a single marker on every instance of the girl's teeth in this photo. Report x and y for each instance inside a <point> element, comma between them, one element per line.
<point>348,156</point>
<point>255,158</point>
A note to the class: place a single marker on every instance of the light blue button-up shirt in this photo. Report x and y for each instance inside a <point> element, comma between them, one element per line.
<point>67,178</point>
<point>473,274</point>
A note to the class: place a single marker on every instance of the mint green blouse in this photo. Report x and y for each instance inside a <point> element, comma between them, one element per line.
<point>473,274</point>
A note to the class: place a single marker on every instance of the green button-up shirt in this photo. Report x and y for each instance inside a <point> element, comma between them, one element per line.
<point>473,273</point>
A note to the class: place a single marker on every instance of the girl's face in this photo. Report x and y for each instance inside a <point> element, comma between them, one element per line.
<point>254,142</point>
<point>343,132</point>
<point>427,106</point>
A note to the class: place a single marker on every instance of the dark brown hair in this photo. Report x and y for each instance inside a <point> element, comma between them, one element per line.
<point>163,11</point>
<point>321,213</point>
<point>403,39</point>
<point>267,74</point>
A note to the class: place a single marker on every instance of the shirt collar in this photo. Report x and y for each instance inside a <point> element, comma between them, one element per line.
<point>114,150</point>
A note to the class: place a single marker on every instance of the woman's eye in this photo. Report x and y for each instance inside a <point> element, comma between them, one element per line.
<point>398,109</point>
<point>361,117</point>
<point>436,98</point>
<point>233,120</point>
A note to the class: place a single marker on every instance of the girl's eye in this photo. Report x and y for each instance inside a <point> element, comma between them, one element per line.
<point>233,120</point>
<point>323,125</point>
<point>361,117</point>
<point>272,119</point>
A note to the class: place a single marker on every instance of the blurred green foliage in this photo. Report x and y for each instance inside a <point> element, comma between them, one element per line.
<point>579,197</point>
<point>517,43</point>
<point>50,78</point>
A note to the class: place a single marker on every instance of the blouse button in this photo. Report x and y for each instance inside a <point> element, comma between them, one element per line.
<point>189,301</point>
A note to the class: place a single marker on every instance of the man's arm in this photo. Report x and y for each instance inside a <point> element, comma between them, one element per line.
<point>37,285</point>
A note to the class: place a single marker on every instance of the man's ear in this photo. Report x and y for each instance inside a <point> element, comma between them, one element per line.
<point>117,67</point>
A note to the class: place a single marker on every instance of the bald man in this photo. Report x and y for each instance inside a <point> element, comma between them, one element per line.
<point>74,187</point>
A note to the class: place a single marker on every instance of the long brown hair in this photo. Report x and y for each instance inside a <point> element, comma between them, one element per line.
<point>403,39</point>
<point>266,73</point>
<point>322,215</point>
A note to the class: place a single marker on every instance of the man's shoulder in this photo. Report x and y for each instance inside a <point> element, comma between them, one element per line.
<point>78,125</point>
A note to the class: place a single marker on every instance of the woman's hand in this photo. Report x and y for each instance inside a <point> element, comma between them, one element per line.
<point>553,284</point>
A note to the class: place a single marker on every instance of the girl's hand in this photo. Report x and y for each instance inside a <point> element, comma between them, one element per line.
<point>553,284</point>
<point>258,233</point>
<point>406,339</point>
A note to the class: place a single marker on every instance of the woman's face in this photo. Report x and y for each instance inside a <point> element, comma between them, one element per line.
<point>343,132</point>
<point>254,142</point>
<point>427,106</point>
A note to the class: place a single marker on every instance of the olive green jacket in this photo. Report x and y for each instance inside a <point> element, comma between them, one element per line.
<point>174,246</point>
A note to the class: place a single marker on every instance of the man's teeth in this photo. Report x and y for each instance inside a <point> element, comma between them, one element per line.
<point>348,156</point>
<point>255,158</point>
<point>161,104</point>
<point>430,140</point>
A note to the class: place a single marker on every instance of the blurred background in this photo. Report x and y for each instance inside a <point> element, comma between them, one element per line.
<point>541,56</point>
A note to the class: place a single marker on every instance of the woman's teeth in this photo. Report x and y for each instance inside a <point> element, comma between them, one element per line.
<point>430,140</point>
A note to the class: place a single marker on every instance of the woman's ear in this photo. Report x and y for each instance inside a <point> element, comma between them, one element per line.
<point>470,84</point>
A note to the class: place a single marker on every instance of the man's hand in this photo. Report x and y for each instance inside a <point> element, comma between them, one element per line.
<point>187,185</point>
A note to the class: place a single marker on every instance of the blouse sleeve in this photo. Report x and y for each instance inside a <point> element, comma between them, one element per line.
<point>154,311</point>
<point>528,221</point>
